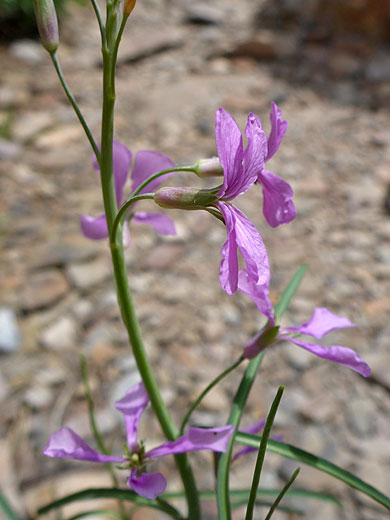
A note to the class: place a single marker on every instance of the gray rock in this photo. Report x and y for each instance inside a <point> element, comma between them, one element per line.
<point>28,51</point>
<point>10,338</point>
<point>203,13</point>
<point>43,289</point>
<point>89,274</point>
<point>60,335</point>
<point>9,150</point>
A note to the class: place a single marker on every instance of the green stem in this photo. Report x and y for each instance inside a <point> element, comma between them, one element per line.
<point>282,493</point>
<point>120,272</point>
<point>207,390</point>
<point>73,102</point>
<point>124,209</point>
<point>159,174</point>
<point>234,419</point>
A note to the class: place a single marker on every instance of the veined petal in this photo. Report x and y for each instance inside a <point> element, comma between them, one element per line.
<point>341,355</point>
<point>162,224</point>
<point>278,207</point>
<point>148,485</point>
<point>121,158</point>
<point>94,228</point>
<point>259,294</point>
<point>66,444</point>
<point>278,129</point>
<point>321,323</point>
<point>243,234</point>
<point>214,439</point>
<point>228,139</point>
<point>147,163</point>
<point>255,152</point>
<point>132,406</point>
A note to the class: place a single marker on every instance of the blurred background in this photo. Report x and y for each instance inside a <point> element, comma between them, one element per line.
<point>327,65</point>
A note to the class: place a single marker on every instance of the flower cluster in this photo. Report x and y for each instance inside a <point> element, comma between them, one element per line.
<point>66,444</point>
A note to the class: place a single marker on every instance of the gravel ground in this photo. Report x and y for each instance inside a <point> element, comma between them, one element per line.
<point>177,65</point>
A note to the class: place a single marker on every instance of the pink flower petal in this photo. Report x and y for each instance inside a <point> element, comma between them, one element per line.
<point>255,152</point>
<point>147,163</point>
<point>278,207</point>
<point>341,355</point>
<point>259,294</point>
<point>132,406</point>
<point>148,485</point>
<point>66,444</point>
<point>214,439</point>
<point>243,234</point>
<point>94,228</point>
<point>278,129</point>
<point>162,224</point>
<point>230,152</point>
<point>321,323</point>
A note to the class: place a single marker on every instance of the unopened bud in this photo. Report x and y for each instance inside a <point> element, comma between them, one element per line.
<point>184,198</point>
<point>209,168</point>
<point>128,6</point>
<point>46,16</point>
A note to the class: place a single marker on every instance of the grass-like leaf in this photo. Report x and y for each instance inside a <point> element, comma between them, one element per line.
<point>119,494</point>
<point>7,509</point>
<point>97,512</point>
<point>291,452</point>
<point>282,493</point>
<point>261,454</point>
<point>290,290</point>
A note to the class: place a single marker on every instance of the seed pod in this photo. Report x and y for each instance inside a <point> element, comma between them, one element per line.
<point>46,16</point>
<point>184,198</point>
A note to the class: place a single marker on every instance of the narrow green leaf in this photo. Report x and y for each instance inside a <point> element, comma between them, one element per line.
<point>263,503</point>
<point>261,454</point>
<point>282,493</point>
<point>291,452</point>
<point>236,412</point>
<point>120,494</point>
<point>290,290</point>
<point>98,512</point>
<point>266,493</point>
<point>7,509</point>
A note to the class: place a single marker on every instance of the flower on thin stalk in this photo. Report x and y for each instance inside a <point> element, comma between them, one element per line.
<point>146,163</point>
<point>242,168</point>
<point>322,322</point>
<point>66,444</point>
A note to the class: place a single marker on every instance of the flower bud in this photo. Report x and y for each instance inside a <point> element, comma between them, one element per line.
<point>46,16</point>
<point>184,198</point>
<point>128,6</point>
<point>209,168</point>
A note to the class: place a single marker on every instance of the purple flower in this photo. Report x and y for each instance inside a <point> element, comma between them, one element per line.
<point>320,324</point>
<point>66,444</point>
<point>242,168</point>
<point>146,164</point>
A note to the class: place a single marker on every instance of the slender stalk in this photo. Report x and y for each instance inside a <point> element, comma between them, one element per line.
<point>73,102</point>
<point>124,209</point>
<point>120,272</point>
<point>96,433</point>
<point>159,174</point>
<point>207,390</point>
<point>100,22</point>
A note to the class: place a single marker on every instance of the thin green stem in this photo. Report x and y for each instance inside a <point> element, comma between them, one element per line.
<point>95,430</point>
<point>73,102</point>
<point>261,454</point>
<point>159,174</point>
<point>100,22</point>
<point>124,209</point>
<point>207,390</point>
<point>282,493</point>
<point>118,40</point>
<point>120,272</point>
